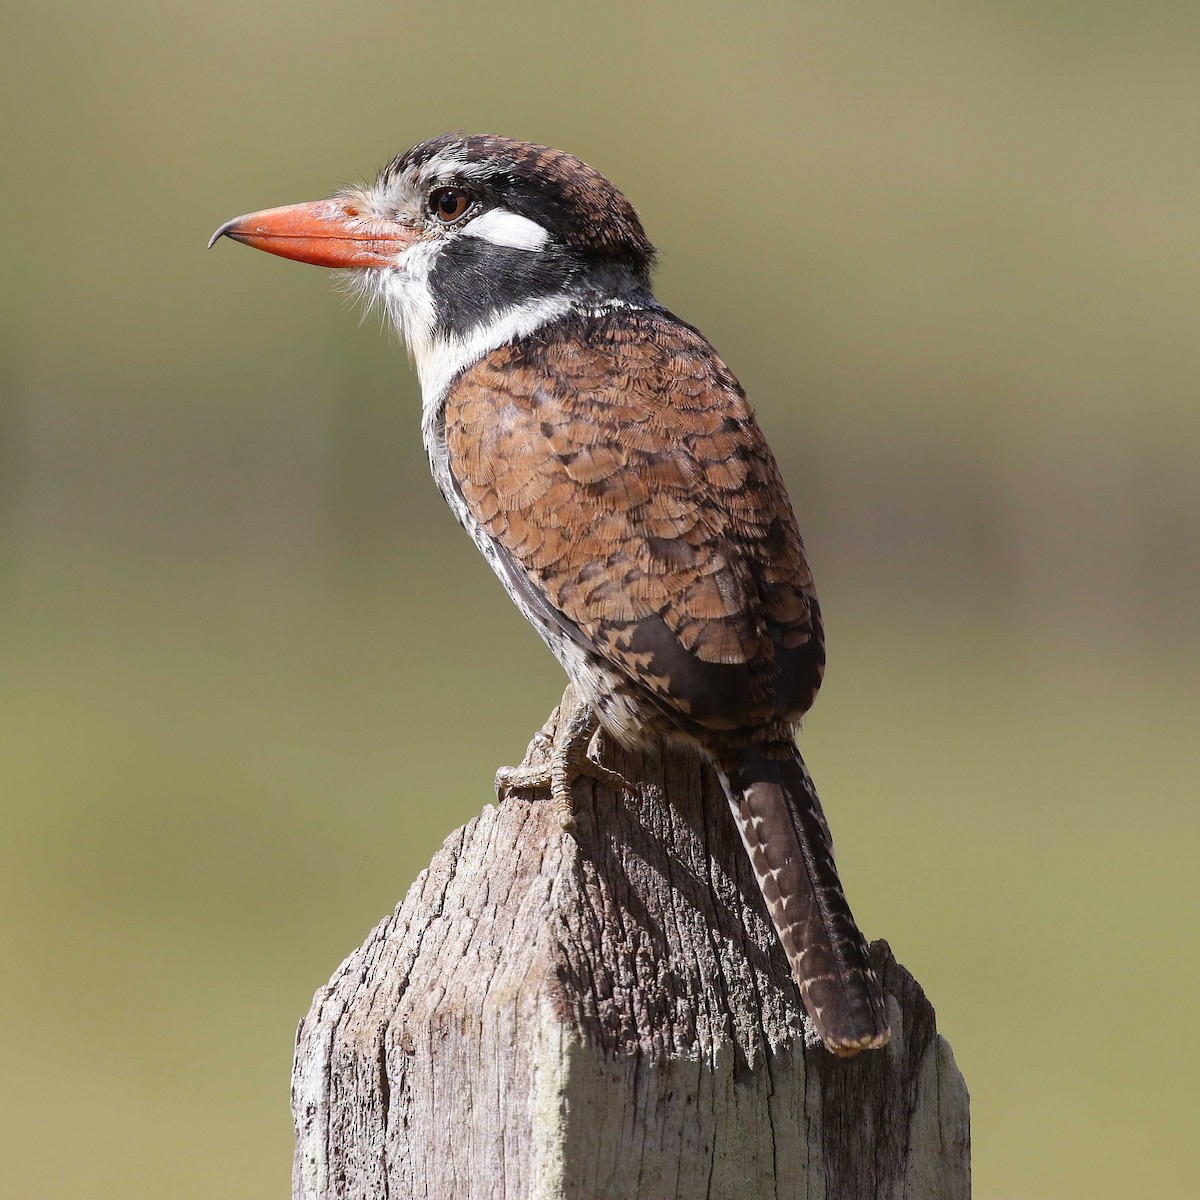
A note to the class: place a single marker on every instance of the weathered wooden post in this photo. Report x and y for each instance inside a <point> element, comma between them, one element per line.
<point>608,1015</point>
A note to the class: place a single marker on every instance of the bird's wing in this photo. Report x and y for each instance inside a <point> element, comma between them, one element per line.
<point>619,469</point>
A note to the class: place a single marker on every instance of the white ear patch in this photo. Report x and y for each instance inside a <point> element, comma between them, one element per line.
<point>504,228</point>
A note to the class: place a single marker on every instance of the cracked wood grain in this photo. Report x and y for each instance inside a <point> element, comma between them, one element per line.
<point>608,1015</point>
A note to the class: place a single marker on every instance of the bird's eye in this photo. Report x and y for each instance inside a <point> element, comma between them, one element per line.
<point>447,204</point>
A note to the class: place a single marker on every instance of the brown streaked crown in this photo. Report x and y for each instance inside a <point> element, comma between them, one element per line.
<point>572,200</point>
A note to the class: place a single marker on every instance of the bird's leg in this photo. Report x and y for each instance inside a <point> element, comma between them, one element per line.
<point>558,756</point>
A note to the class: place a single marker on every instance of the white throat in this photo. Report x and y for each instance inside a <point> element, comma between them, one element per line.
<point>439,359</point>
<point>439,356</point>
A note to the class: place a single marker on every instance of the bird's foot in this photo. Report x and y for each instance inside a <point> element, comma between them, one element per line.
<point>560,753</point>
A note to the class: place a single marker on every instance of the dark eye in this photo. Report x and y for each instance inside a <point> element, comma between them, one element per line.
<point>447,204</point>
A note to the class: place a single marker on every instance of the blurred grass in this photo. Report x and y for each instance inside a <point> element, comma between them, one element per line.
<point>207,813</point>
<point>951,251</point>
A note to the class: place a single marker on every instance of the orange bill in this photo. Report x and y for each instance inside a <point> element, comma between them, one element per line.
<point>327,233</point>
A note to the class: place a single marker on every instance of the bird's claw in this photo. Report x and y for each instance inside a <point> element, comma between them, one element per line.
<point>557,757</point>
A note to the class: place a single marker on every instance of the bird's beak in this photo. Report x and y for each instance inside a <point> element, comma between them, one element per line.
<point>327,233</point>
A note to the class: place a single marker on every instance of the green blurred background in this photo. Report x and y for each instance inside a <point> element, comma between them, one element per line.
<point>253,674</point>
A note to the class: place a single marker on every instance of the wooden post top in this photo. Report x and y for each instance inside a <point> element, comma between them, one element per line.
<point>608,1014</point>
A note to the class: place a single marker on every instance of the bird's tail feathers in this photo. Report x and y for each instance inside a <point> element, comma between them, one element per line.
<point>785,833</point>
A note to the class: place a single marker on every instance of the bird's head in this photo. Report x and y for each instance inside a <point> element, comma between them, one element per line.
<point>469,241</point>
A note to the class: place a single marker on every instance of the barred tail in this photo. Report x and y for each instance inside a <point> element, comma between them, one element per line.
<point>785,834</point>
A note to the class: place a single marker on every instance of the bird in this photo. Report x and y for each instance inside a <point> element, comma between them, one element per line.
<point>610,468</point>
